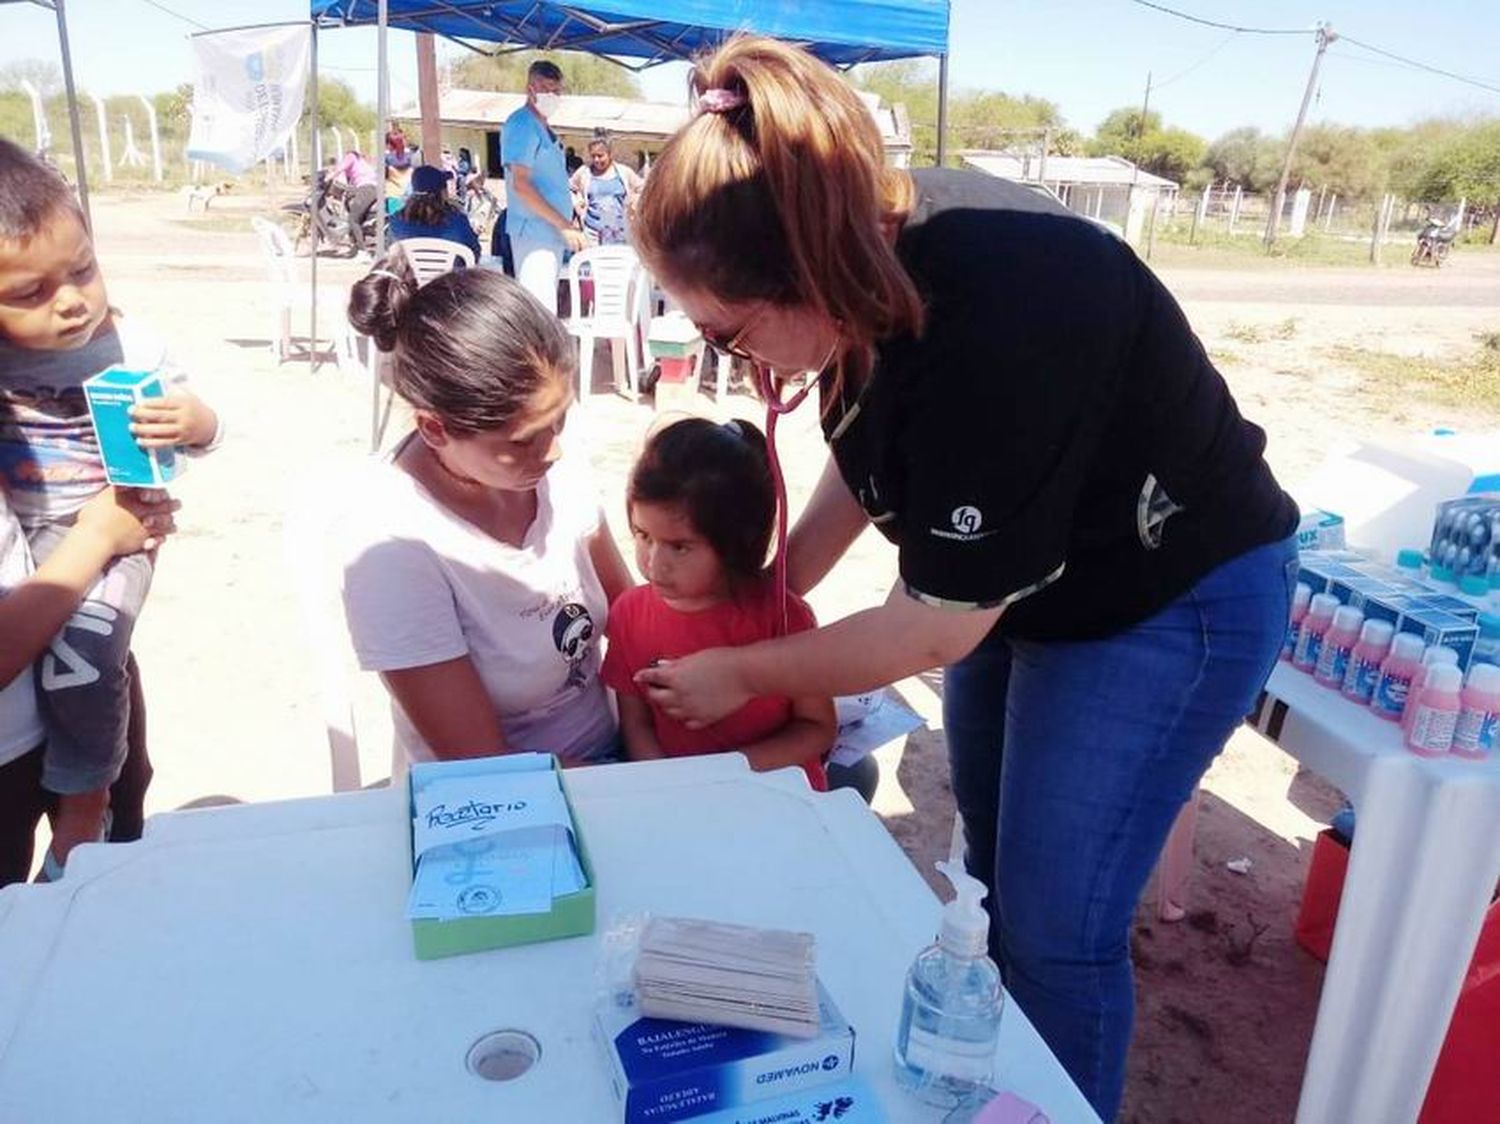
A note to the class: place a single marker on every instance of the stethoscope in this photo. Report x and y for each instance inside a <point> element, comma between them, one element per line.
<point>770,393</point>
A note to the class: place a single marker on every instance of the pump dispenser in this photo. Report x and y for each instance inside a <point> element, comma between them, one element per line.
<point>950,1019</point>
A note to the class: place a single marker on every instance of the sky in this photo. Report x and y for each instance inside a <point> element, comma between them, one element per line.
<point>1088,56</point>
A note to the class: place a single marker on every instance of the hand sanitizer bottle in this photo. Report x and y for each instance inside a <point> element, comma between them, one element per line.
<point>950,1020</point>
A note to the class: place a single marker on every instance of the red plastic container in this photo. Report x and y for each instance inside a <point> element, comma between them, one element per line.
<point>1465,1086</point>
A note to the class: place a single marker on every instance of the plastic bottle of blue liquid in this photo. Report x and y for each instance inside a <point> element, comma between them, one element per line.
<point>950,1019</point>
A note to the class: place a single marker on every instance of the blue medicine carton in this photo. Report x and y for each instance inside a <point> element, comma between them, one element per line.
<point>111,394</point>
<point>663,1070</point>
<point>1453,606</point>
<point>848,1102</point>
<point>1441,628</point>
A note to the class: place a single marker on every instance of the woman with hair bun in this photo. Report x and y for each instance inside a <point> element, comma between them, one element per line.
<point>478,567</point>
<point>1089,540</point>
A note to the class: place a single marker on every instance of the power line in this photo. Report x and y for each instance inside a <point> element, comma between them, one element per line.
<point>1223,26</point>
<point>1421,65</point>
<point>177,15</point>
<point>1234,28</point>
<point>1184,73</point>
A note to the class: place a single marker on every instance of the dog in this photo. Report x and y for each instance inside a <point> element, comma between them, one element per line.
<point>203,194</point>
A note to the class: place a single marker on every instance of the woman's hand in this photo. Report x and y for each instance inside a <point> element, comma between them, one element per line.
<point>697,690</point>
<point>129,520</point>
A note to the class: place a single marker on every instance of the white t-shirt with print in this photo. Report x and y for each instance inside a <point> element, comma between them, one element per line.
<point>423,586</point>
<point>20,723</point>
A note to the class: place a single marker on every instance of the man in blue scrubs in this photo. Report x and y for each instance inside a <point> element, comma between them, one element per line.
<point>540,219</point>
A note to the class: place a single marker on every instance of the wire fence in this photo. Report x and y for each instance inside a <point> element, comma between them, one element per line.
<point>1312,224</point>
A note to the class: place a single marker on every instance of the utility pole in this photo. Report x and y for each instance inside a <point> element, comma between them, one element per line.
<point>1140,131</point>
<point>1326,35</point>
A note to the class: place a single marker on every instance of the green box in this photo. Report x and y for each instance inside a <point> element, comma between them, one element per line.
<point>571,915</point>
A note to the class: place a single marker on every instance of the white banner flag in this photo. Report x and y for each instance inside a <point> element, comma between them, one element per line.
<point>249,92</point>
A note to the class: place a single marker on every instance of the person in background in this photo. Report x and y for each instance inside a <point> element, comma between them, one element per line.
<point>500,247</point>
<point>428,214</point>
<point>468,175</point>
<point>450,169</point>
<point>607,191</point>
<point>395,148</point>
<point>571,160</point>
<point>397,184</point>
<point>539,203</point>
<point>358,175</point>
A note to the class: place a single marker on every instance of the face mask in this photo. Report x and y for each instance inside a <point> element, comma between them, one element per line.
<point>546,104</point>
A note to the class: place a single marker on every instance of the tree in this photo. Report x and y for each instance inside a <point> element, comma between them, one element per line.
<point>991,119</point>
<point>912,83</point>
<point>1343,159</point>
<point>1467,166</point>
<point>338,105</point>
<point>1118,133</point>
<point>976,118</point>
<point>174,110</point>
<point>1246,157</point>
<point>582,73</point>
<point>1143,140</point>
<point>46,76</point>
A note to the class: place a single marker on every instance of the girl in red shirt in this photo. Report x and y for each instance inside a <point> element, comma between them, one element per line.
<point>702,506</point>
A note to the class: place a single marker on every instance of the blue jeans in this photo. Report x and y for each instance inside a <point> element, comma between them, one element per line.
<point>1075,759</point>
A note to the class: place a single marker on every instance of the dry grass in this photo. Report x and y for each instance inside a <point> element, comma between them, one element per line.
<point>1472,383</point>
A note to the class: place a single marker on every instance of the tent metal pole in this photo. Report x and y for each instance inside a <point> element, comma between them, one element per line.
<point>251,27</point>
<point>67,66</point>
<point>312,200</point>
<point>942,126</point>
<point>383,113</point>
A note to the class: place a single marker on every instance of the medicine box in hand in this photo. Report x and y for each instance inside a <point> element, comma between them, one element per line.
<point>111,395</point>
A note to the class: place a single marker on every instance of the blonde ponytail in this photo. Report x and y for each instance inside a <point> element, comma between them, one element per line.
<point>780,193</point>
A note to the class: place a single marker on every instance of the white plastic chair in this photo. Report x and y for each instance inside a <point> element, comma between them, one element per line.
<point>290,293</point>
<point>429,258</point>
<point>313,570</point>
<point>433,257</point>
<point>619,282</point>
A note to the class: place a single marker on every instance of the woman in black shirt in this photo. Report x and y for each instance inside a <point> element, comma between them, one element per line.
<point>1089,539</point>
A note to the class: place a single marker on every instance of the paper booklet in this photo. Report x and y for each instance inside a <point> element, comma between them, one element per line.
<point>497,843</point>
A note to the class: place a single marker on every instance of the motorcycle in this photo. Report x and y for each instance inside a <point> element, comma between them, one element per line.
<point>1434,242</point>
<point>326,208</point>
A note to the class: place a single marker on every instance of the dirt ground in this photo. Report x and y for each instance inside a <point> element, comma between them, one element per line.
<point>1226,1001</point>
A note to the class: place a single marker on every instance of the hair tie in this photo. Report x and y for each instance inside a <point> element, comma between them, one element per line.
<point>387,273</point>
<point>720,100</point>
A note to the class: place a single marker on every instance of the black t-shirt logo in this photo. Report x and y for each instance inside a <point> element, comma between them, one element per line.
<point>967,520</point>
<point>1152,510</point>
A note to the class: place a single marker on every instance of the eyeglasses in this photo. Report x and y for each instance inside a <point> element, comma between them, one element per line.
<point>733,346</point>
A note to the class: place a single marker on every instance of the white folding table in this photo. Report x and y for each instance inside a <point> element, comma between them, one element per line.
<point>253,963</point>
<point>1422,871</point>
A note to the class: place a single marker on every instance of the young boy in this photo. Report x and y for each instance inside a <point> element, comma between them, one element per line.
<point>56,330</point>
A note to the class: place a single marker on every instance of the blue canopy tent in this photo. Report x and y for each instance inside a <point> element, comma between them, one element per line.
<point>642,33</point>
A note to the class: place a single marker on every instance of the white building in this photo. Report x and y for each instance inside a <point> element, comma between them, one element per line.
<point>472,119</point>
<point>1109,189</point>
